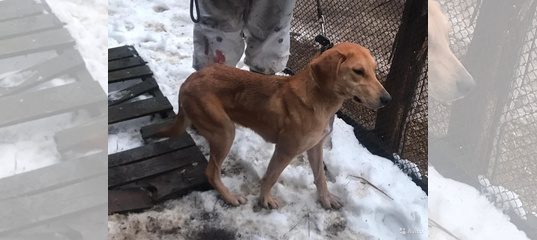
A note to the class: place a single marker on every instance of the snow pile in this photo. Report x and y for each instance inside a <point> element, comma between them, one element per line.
<point>86,22</point>
<point>394,208</point>
<point>465,213</point>
<point>502,198</point>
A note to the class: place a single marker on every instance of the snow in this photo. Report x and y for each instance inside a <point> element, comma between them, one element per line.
<point>161,31</point>
<point>86,22</point>
<point>465,213</point>
<point>31,145</point>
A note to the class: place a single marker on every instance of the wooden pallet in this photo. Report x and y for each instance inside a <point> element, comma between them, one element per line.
<point>52,195</point>
<point>141,177</point>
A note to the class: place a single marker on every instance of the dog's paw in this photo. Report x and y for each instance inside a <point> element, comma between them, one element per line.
<point>269,202</point>
<point>234,200</point>
<point>330,201</point>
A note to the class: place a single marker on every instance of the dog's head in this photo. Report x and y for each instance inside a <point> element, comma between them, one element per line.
<point>448,79</point>
<point>348,70</point>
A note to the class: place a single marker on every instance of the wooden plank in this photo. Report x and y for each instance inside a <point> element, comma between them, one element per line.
<point>33,210</point>
<point>35,42</point>
<point>129,73</point>
<point>150,131</point>
<point>33,105</point>
<point>147,85</point>
<point>19,10</point>
<point>123,200</point>
<point>59,174</point>
<point>131,110</point>
<point>132,172</point>
<point>90,136</point>
<point>180,181</point>
<point>125,63</point>
<point>47,70</point>
<point>150,150</point>
<point>121,52</point>
<point>30,24</point>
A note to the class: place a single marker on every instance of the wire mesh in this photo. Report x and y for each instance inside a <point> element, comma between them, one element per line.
<point>514,153</point>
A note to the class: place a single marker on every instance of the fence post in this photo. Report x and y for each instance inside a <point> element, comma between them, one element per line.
<point>491,59</point>
<point>408,58</point>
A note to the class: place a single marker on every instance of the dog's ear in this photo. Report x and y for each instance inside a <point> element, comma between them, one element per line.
<point>325,68</point>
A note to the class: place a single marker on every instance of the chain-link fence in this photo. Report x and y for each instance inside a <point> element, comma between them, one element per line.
<point>502,149</point>
<point>375,25</point>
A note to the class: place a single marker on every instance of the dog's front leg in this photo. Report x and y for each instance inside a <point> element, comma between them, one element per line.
<point>315,157</point>
<point>280,159</point>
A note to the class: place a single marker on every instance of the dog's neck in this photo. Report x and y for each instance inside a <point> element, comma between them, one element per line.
<point>314,96</point>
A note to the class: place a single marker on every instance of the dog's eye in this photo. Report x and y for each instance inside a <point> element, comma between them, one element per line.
<point>359,71</point>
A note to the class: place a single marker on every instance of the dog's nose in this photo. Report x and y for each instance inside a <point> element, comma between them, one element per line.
<point>385,99</point>
<point>465,85</point>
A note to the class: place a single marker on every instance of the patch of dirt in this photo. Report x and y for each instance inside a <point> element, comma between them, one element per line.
<point>213,234</point>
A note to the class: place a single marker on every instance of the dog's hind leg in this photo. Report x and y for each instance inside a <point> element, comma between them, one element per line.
<point>219,131</point>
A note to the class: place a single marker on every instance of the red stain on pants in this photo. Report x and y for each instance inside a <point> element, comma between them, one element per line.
<point>219,57</point>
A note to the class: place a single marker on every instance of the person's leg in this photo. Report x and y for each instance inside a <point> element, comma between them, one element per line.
<point>218,34</point>
<point>267,35</point>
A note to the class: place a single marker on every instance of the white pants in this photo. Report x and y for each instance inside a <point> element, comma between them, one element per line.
<point>226,25</point>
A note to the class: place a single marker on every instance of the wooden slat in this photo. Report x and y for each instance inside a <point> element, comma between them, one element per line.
<point>18,10</point>
<point>150,131</point>
<point>132,172</point>
<point>129,73</point>
<point>181,181</point>
<point>59,174</point>
<point>150,150</point>
<point>123,200</point>
<point>121,52</point>
<point>47,70</point>
<point>26,25</point>
<point>90,136</point>
<point>33,210</point>
<point>33,105</point>
<point>131,110</point>
<point>35,42</point>
<point>125,63</point>
<point>136,90</point>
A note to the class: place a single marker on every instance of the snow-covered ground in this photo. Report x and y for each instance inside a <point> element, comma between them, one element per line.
<point>465,212</point>
<point>161,31</point>
<point>31,145</point>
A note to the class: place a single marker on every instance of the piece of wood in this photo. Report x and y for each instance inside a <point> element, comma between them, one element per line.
<point>180,181</point>
<point>87,137</point>
<point>145,86</point>
<point>150,150</point>
<point>19,9</point>
<point>125,174</point>
<point>123,200</point>
<point>131,110</point>
<point>129,73</point>
<point>59,174</point>
<point>121,52</point>
<point>42,72</point>
<point>150,131</point>
<point>30,24</point>
<point>34,105</point>
<point>125,63</point>
<point>35,42</point>
<point>28,211</point>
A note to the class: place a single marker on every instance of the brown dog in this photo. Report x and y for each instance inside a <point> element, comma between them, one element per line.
<point>292,112</point>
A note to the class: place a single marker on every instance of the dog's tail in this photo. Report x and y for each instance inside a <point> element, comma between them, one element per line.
<point>177,127</point>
